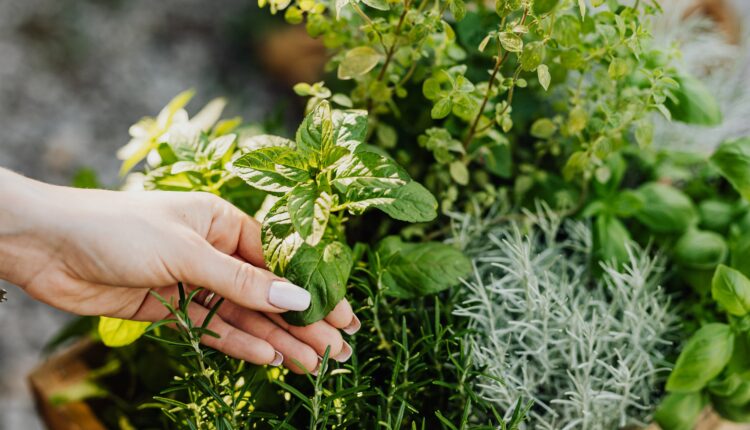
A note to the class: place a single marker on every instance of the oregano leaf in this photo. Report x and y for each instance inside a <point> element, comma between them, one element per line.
<point>357,62</point>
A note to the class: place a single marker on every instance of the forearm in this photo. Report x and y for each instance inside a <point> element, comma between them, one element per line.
<point>22,201</point>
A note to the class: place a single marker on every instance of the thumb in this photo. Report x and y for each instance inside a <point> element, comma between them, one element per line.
<point>242,283</point>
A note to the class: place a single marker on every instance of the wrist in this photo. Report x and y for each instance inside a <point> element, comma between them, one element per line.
<point>23,203</point>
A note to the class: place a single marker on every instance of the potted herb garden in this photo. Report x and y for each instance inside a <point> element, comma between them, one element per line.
<point>479,180</point>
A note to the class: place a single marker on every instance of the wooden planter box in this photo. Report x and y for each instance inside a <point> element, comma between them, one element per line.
<point>69,367</point>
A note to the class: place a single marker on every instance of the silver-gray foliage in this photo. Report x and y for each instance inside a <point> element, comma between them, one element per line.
<point>589,351</point>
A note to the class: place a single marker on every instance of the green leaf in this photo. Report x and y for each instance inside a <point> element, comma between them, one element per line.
<point>218,148</point>
<point>680,411</point>
<point>368,170</point>
<point>731,289</point>
<point>510,41</point>
<point>697,249</point>
<point>323,270</point>
<point>665,208</point>
<point>442,108</point>
<point>350,128</point>
<point>116,332</point>
<point>315,136</point>
<point>542,7</point>
<point>273,169</point>
<point>532,56</point>
<point>339,5</point>
<point>702,359</point>
<point>695,104</point>
<point>309,210</point>
<point>377,4</point>
<point>610,240</point>
<point>459,172</point>
<point>732,158</point>
<point>410,270</point>
<point>543,128</point>
<point>498,159</point>
<point>458,9</point>
<point>280,240</point>
<point>411,203</point>
<point>542,73</point>
<point>357,62</point>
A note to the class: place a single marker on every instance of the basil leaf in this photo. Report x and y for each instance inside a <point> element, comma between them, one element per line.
<point>273,169</point>
<point>610,240</point>
<point>695,104</point>
<point>309,210</point>
<point>697,249</point>
<point>680,411</point>
<point>731,289</point>
<point>409,270</point>
<point>368,170</point>
<point>665,208</point>
<point>411,203</point>
<point>323,270</point>
<point>732,158</point>
<point>279,238</point>
<point>116,332</point>
<point>702,359</point>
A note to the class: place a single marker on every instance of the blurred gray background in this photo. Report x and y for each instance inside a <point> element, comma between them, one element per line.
<point>74,74</point>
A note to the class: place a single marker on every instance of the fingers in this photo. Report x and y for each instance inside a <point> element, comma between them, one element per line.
<point>240,282</point>
<point>342,317</point>
<point>320,336</point>
<point>232,341</point>
<point>298,356</point>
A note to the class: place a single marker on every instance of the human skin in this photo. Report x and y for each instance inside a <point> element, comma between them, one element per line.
<point>96,252</point>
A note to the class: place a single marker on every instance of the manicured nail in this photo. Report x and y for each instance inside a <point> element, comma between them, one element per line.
<point>353,326</point>
<point>288,296</point>
<point>278,359</point>
<point>345,354</point>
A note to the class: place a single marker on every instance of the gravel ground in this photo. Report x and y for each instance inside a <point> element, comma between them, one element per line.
<point>74,74</point>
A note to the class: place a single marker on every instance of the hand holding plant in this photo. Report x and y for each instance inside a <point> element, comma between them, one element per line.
<point>102,252</point>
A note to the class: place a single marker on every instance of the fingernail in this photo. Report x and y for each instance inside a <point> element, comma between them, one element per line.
<point>345,354</point>
<point>353,326</point>
<point>278,359</point>
<point>288,296</point>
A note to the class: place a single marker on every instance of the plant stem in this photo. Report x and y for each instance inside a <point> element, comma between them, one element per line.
<point>498,63</point>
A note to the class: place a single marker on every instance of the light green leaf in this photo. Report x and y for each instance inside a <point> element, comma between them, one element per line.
<point>357,62</point>
<point>542,73</point>
<point>582,8</point>
<point>542,7</point>
<point>309,210</point>
<point>442,108</point>
<point>377,4</point>
<point>511,42</point>
<point>350,128</point>
<point>339,5</point>
<point>732,158</point>
<point>368,170</point>
<point>459,172</point>
<point>116,332</point>
<point>410,270</point>
<point>610,240</point>
<point>322,270</point>
<point>280,240</point>
<point>217,148</point>
<point>543,128</point>
<point>315,135</point>
<point>532,56</point>
<point>731,289</point>
<point>702,359</point>
<point>272,169</point>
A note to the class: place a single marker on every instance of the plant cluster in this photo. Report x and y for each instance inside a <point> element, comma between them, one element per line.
<point>484,109</point>
<point>590,352</point>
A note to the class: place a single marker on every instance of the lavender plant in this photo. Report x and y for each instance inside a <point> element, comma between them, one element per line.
<point>592,353</point>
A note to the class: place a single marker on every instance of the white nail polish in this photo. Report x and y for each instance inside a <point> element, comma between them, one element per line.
<point>353,326</point>
<point>345,354</point>
<point>278,359</point>
<point>288,296</point>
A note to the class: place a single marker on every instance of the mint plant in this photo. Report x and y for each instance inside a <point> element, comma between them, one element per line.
<point>326,173</point>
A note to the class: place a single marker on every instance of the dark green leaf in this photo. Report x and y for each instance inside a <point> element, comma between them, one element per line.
<point>695,104</point>
<point>732,158</point>
<point>665,208</point>
<point>610,240</point>
<point>409,270</point>
<point>680,411</point>
<point>322,270</point>
<point>698,249</point>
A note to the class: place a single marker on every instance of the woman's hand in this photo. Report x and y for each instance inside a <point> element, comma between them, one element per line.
<point>95,252</point>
